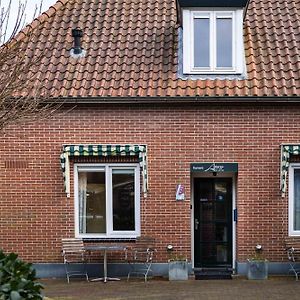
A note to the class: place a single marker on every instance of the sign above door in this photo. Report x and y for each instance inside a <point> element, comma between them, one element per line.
<point>212,167</point>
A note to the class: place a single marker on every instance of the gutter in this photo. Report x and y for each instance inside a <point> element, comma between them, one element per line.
<point>180,100</point>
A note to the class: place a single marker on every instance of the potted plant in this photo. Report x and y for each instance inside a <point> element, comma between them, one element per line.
<point>178,266</point>
<point>257,266</point>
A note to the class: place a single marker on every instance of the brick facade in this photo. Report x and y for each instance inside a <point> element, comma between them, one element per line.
<point>35,212</point>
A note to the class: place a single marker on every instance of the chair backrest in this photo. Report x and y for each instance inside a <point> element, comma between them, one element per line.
<point>145,242</point>
<point>142,251</point>
<point>292,247</point>
<point>72,245</point>
<point>292,242</point>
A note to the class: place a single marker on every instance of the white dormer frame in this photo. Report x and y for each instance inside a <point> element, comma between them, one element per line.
<point>189,15</point>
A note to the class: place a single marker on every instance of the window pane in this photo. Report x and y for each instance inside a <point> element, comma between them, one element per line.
<point>297,199</point>
<point>201,42</point>
<point>92,202</point>
<point>123,200</point>
<point>224,42</point>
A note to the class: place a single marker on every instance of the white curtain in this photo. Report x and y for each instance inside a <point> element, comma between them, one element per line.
<point>82,182</point>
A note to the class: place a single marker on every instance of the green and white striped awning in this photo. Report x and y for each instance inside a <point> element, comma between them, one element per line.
<point>286,152</point>
<point>103,151</point>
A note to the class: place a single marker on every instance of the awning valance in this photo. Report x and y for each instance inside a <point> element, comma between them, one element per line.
<point>103,151</point>
<point>286,152</point>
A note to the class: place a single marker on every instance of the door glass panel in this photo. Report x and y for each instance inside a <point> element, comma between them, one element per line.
<point>220,191</point>
<point>214,253</point>
<point>297,199</point>
<point>222,253</point>
<point>209,252</point>
<point>221,200</point>
<point>221,211</point>
<point>224,43</point>
<point>92,202</point>
<point>205,191</point>
<point>201,42</point>
<point>123,200</point>
<point>207,232</point>
<point>221,232</point>
<point>207,211</point>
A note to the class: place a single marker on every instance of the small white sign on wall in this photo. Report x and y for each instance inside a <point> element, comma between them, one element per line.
<point>180,192</point>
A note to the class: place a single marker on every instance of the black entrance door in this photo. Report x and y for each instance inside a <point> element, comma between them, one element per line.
<point>213,222</point>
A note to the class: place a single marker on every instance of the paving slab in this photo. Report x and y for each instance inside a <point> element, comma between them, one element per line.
<point>274,288</point>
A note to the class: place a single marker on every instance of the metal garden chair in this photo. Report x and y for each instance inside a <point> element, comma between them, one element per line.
<point>140,257</point>
<point>292,247</point>
<point>75,258</point>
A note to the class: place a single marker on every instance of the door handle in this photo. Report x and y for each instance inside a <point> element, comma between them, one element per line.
<point>196,224</point>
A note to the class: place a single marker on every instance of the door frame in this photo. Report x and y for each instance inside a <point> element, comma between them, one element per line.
<point>219,175</point>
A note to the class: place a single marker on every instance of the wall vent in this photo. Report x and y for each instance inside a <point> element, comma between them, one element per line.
<point>16,164</point>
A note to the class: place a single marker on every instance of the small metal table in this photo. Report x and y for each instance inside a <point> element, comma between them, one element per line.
<point>105,249</point>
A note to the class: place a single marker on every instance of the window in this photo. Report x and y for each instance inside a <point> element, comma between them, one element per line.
<point>294,199</point>
<point>212,41</point>
<point>107,200</point>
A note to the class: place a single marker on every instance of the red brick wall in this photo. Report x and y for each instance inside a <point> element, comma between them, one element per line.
<point>35,213</point>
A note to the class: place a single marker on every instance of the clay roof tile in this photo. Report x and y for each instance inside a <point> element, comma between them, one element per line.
<point>132,51</point>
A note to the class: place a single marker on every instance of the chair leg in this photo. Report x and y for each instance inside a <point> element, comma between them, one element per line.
<point>131,270</point>
<point>292,269</point>
<point>139,269</point>
<point>146,274</point>
<point>147,270</point>
<point>67,273</point>
<point>86,271</point>
<point>83,272</point>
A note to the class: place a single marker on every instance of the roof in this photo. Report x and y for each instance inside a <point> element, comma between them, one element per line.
<point>132,51</point>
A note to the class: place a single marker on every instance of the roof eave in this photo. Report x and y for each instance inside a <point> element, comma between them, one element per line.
<point>180,100</point>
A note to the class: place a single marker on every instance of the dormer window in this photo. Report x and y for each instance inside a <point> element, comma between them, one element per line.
<point>213,41</point>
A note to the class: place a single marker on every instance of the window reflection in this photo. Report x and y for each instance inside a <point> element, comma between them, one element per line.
<point>92,202</point>
<point>201,42</point>
<point>224,42</point>
<point>297,199</point>
<point>123,199</point>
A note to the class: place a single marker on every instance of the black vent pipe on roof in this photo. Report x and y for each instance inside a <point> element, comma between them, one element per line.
<point>77,34</point>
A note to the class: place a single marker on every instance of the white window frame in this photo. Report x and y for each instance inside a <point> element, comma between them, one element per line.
<point>237,40</point>
<point>108,168</point>
<point>292,168</point>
